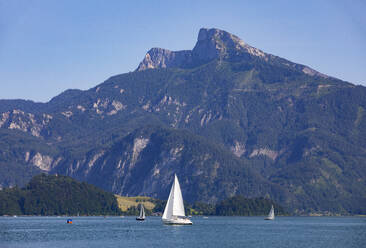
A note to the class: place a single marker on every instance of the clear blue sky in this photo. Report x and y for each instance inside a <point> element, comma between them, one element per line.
<point>48,46</point>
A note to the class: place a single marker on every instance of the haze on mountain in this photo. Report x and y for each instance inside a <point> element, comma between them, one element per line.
<point>228,118</point>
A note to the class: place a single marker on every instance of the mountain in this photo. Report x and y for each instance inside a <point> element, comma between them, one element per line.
<point>228,118</point>
<point>57,195</point>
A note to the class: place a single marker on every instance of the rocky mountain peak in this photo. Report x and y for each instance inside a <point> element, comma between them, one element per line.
<point>211,44</point>
<point>215,43</point>
<point>219,37</point>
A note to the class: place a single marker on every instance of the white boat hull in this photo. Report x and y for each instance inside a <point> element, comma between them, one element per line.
<point>177,221</point>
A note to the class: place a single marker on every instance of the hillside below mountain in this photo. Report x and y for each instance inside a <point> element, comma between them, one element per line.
<point>228,118</point>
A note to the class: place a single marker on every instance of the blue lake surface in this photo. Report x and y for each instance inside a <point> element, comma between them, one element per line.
<point>114,232</point>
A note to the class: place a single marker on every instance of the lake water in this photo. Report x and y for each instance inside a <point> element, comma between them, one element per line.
<point>115,232</point>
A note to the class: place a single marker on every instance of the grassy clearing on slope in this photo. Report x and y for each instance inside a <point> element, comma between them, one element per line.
<point>125,202</point>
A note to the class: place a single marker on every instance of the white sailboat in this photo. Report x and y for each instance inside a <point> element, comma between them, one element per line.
<point>271,214</point>
<point>142,214</point>
<point>174,210</point>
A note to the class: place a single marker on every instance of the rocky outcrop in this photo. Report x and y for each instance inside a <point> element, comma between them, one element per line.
<point>26,122</point>
<point>214,43</point>
<point>163,58</point>
<point>238,149</point>
<point>264,152</point>
<point>42,161</point>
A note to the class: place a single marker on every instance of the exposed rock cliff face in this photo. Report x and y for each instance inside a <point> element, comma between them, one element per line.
<point>43,162</point>
<point>163,58</point>
<point>214,43</point>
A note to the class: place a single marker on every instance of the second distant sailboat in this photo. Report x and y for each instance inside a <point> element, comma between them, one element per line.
<point>271,214</point>
<point>174,210</point>
<point>142,214</point>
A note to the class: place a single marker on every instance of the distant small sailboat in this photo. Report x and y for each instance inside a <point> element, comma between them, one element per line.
<point>271,214</point>
<point>174,210</point>
<point>142,214</point>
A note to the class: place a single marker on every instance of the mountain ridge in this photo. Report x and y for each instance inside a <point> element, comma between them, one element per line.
<point>212,44</point>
